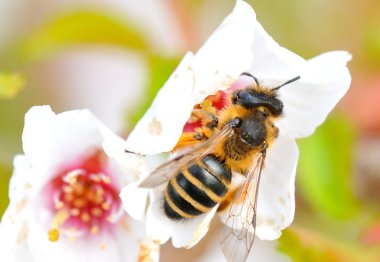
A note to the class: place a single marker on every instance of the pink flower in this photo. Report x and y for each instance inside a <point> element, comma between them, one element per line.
<point>64,203</point>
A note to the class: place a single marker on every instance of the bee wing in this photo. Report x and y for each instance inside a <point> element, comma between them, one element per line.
<point>169,169</point>
<point>240,225</point>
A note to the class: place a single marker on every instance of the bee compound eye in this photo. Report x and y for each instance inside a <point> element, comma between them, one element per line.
<point>235,97</point>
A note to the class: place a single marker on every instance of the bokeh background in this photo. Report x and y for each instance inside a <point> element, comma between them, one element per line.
<point>112,56</point>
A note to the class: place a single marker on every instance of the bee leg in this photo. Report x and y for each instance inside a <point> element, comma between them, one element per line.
<point>207,114</point>
<point>189,139</point>
<point>264,147</point>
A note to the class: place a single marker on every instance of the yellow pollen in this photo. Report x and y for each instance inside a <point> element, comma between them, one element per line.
<point>79,189</point>
<point>111,218</point>
<point>59,219</point>
<point>58,204</point>
<point>79,202</point>
<point>85,217</point>
<point>90,195</point>
<point>106,206</point>
<point>68,197</point>
<point>99,191</point>
<point>95,178</point>
<point>53,235</point>
<point>74,212</point>
<point>98,200</point>
<point>102,246</point>
<point>72,177</point>
<point>67,189</point>
<point>105,179</point>
<point>94,230</point>
<point>96,212</point>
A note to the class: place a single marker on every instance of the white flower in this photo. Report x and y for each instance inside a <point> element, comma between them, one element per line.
<point>64,203</point>
<point>240,44</point>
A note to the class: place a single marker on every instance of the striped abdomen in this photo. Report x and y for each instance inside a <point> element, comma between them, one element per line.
<point>197,189</point>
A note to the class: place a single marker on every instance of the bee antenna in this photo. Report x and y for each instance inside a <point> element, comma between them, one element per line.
<point>248,74</point>
<point>287,82</point>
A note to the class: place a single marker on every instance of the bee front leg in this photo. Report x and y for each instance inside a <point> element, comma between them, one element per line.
<point>207,114</point>
<point>190,139</point>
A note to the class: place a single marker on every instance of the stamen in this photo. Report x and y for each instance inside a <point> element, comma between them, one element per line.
<point>53,235</point>
<point>59,219</point>
<point>106,206</point>
<point>71,177</point>
<point>85,217</point>
<point>74,212</point>
<point>96,212</point>
<point>94,230</point>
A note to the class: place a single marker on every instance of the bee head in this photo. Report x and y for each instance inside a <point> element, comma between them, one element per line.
<point>259,97</point>
<point>251,98</point>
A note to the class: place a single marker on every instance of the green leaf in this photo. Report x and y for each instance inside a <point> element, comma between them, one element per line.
<point>304,244</point>
<point>372,44</point>
<point>326,168</point>
<point>5,174</point>
<point>10,85</point>
<point>291,244</point>
<point>75,28</point>
<point>160,69</point>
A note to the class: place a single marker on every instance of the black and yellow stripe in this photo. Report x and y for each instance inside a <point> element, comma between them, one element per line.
<point>196,190</point>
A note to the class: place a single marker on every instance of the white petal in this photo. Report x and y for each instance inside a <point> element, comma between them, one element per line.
<point>185,233</point>
<point>160,128</point>
<point>262,251</point>
<point>307,102</point>
<point>21,182</point>
<point>50,141</point>
<point>276,204</point>
<point>97,248</point>
<point>272,61</point>
<point>134,200</point>
<point>226,54</point>
<point>129,167</point>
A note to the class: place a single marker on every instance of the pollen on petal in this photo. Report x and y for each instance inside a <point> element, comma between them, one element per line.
<point>154,127</point>
<point>53,235</point>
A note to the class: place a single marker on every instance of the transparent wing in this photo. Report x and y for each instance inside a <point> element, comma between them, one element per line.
<point>240,225</point>
<point>167,170</point>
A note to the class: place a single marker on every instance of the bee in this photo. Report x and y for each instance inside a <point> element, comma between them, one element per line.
<point>232,142</point>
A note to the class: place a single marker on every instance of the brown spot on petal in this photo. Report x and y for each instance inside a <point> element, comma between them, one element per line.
<point>282,218</point>
<point>20,205</point>
<point>270,221</point>
<point>23,233</point>
<point>154,127</point>
<point>282,201</point>
<point>102,246</point>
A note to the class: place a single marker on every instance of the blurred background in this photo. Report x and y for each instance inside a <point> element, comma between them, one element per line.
<point>112,56</point>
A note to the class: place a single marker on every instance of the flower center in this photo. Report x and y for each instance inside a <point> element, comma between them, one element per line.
<point>83,199</point>
<point>218,101</point>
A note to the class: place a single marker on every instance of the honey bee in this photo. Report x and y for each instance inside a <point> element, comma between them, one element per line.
<point>229,143</point>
